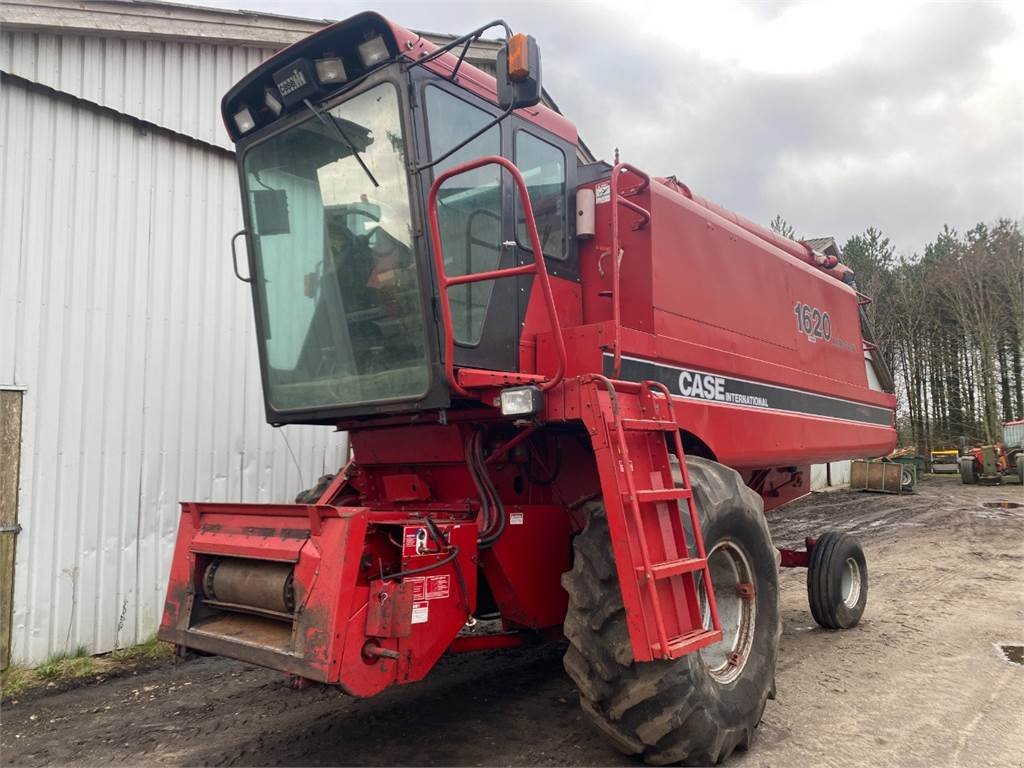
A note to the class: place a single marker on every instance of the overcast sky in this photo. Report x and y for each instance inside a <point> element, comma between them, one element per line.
<point>904,116</point>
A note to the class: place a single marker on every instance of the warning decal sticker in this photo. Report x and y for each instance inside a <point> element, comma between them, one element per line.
<point>420,612</point>
<point>430,588</point>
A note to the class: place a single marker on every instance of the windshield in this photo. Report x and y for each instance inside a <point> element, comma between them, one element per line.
<point>329,202</point>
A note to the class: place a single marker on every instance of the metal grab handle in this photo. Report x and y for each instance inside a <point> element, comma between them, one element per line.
<point>538,267</point>
<point>234,257</point>
<point>618,199</point>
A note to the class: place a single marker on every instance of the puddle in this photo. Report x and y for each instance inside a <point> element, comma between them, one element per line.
<point>1012,652</point>
<point>1002,505</point>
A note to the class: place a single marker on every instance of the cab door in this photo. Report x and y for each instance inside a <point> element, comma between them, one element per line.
<point>474,217</point>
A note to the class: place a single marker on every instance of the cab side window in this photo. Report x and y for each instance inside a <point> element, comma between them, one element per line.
<point>469,206</point>
<point>543,169</point>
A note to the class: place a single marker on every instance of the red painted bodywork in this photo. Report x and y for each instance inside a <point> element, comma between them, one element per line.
<point>669,279</point>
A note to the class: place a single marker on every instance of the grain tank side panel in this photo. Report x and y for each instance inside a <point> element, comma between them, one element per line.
<point>717,285</point>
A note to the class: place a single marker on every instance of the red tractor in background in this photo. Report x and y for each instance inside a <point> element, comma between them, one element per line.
<point>1001,462</point>
<point>572,391</point>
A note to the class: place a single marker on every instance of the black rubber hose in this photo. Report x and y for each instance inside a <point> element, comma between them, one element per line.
<point>424,568</point>
<point>485,507</point>
<point>502,519</point>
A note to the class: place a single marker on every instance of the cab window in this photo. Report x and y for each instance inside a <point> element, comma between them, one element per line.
<point>468,206</point>
<point>543,169</point>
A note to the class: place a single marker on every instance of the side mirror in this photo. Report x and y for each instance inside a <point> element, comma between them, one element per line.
<point>518,72</point>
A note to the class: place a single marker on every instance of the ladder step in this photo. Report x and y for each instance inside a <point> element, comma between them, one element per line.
<point>671,568</point>
<point>649,425</point>
<point>688,643</point>
<point>661,494</point>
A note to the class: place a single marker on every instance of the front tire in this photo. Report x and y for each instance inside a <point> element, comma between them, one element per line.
<point>693,709</point>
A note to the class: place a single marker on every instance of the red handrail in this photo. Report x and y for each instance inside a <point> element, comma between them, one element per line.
<point>538,267</point>
<point>617,200</point>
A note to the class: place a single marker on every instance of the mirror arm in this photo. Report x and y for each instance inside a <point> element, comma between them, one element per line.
<point>466,39</point>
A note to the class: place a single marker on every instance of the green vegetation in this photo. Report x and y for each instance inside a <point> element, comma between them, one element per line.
<point>61,666</point>
<point>80,664</point>
<point>148,651</point>
<point>14,680</point>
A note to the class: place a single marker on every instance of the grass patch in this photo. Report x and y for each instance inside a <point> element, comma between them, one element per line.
<point>62,666</point>
<point>77,664</point>
<point>14,680</point>
<point>148,651</point>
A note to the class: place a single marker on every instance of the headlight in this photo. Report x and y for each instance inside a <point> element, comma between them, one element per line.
<point>521,401</point>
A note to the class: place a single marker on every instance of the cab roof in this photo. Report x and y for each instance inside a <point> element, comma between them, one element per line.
<point>402,44</point>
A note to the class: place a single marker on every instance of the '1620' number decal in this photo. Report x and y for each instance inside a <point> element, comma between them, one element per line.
<point>812,322</point>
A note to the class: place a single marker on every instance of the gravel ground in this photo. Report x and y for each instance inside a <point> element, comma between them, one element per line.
<point>919,682</point>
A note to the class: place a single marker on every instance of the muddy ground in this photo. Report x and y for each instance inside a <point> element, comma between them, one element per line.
<point>918,682</point>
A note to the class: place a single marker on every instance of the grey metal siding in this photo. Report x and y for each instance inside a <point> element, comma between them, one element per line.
<point>121,318</point>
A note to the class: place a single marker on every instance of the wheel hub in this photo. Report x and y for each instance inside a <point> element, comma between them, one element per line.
<point>733,582</point>
<point>850,583</point>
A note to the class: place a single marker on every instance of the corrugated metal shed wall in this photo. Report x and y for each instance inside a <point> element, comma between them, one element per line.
<point>120,316</point>
<point>175,85</point>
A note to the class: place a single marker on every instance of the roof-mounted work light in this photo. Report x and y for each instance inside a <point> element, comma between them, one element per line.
<point>373,50</point>
<point>272,100</point>
<point>330,70</point>
<point>244,120</point>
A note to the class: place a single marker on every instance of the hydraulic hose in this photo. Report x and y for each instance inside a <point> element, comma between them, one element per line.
<point>492,511</point>
<point>493,533</point>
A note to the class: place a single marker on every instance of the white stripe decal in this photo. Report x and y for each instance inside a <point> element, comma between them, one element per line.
<point>695,384</point>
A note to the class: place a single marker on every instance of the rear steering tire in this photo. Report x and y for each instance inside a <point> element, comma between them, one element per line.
<point>837,581</point>
<point>312,495</point>
<point>699,708</point>
<point>906,480</point>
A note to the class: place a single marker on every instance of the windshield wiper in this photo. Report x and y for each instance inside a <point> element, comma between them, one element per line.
<point>344,137</point>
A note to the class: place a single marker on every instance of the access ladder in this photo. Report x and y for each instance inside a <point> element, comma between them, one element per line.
<point>665,581</point>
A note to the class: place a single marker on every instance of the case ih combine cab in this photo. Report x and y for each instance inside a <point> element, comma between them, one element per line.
<point>572,391</point>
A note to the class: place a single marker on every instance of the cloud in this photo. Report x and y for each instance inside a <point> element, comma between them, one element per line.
<point>839,116</point>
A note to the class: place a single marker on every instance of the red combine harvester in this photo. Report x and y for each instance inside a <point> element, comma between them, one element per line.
<point>572,391</point>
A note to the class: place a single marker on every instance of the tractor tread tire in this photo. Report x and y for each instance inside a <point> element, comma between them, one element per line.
<point>967,474</point>
<point>668,711</point>
<point>828,558</point>
<point>312,495</point>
